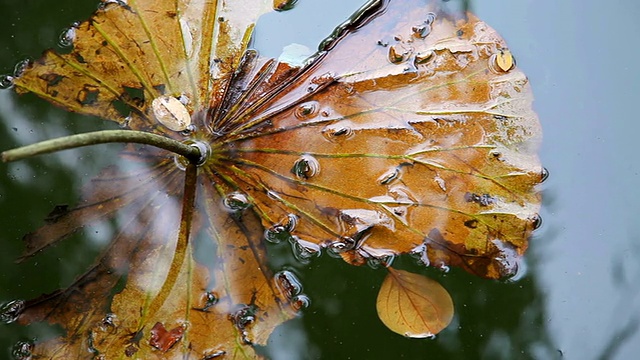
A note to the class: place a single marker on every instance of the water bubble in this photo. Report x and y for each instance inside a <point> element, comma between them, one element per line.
<point>282,231</point>
<point>288,284</point>
<point>22,350</point>
<point>284,5</point>
<point>544,174</point>
<point>170,112</point>
<point>20,67</point>
<point>397,55</point>
<point>304,250</point>
<point>536,221</point>
<point>337,131</point>
<point>242,318</point>
<point>380,261</point>
<point>421,254</point>
<point>300,302</point>
<point>214,354</point>
<point>6,81</point>
<point>430,18</point>
<point>68,36</point>
<point>444,268</point>
<point>10,311</point>
<point>236,201</point>
<point>307,110</point>
<point>424,57</point>
<point>389,176</point>
<point>305,167</point>
<point>502,62</point>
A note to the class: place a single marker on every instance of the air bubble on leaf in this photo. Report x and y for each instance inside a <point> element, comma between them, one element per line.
<point>283,5</point>
<point>6,81</point>
<point>424,57</point>
<point>20,67</point>
<point>242,318</point>
<point>304,250</point>
<point>288,284</point>
<point>536,221</point>
<point>281,231</point>
<point>420,254</point>
<point>305,167</point>
<point>170,112</point>
<point>389,176</point>
<point>300,302</point>
<point>109,323</point>
<point>508,259</point>
<point>544,174</point>
<point>337,131</point>
<point>502,62</point>
<point>306,110</point>
<point>68,36</point>
<point>397,54</point>
<point>22,350</point>
<point>236,201</point>
<point>213,354</point>
<point>383,261</point>
<point>10,311</point>
<point>209,299</point>
<point>444,268</point>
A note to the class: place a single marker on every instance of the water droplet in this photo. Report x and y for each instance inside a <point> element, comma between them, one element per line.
<point>307,110</point>
<point>68,36</point>
<point>444,268</point>
<point>108,323</point>
<point>209,299</point>
<point>337,131</point>
<point>10,311</point>
<point>242,318</point>
<point>236,201</point>
<point>304,250</point>
<point>20,67</point>
<point>397,55</point>
<point>424,57</point>
<point>305,167</point>
<point>544,174</point>
<point>22,350</point>
<point>389,176</point>
<point>502,62</point>
<point>424,29</point>
<point>282,231</point>
<point>300,302</point>
<point>421,254</point>
<point>536,221</point>
<point>380,261</point>
<point>6,81</point>
<point>170,112</point>
<point>288,284</point>
<point>284,5</point>
<point>213,354</point>
<point>430,18</point>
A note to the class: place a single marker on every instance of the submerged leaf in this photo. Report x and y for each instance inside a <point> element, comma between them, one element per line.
<point>410,131</point>
<point>413,305</point>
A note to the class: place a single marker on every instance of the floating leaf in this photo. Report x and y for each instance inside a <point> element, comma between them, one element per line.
<point>410,131</point>
<point>413,305</point>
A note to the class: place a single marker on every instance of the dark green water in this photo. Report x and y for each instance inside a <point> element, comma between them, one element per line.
<point>580,296</point>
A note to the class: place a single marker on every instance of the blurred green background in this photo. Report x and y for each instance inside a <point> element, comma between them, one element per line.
<point>580,295</point>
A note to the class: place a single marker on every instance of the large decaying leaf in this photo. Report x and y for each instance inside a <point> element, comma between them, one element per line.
<point>410,131</point>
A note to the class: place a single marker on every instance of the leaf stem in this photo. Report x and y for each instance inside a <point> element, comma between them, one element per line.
<point>192,153</point>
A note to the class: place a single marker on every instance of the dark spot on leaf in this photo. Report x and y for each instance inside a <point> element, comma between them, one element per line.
<point>482,200</point>
<point>57,212</point>
<point>79,58</point>
<point>52,79</point>
<point>473,223</point>
<point>459,33</point>
<point>161,88</point>
<point>88,95</point>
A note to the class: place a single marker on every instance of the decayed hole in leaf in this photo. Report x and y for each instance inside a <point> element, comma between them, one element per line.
<point>413,305</point>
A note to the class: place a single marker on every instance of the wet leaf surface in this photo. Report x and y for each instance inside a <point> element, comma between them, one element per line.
<point>413,305</point>
<point>410,131</point>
